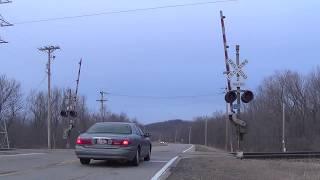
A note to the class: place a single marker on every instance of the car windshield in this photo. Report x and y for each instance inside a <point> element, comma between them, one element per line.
<point>110,128</point>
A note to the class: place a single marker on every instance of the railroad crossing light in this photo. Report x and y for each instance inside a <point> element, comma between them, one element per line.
<point>68,113</point>
<point>73,113</point>
<point>247,96</point>
<point>64,113</point>
<point>230,97</point>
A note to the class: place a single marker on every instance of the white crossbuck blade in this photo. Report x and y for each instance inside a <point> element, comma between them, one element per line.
<point>237,69</point>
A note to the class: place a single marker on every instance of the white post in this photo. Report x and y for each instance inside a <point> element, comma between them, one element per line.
<point>283,128</point>
<point>190,135</point>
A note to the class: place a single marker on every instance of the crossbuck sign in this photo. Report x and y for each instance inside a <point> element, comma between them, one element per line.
<point>237,69</point>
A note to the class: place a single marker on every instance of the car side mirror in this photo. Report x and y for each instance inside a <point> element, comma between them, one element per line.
<point>147,134</point>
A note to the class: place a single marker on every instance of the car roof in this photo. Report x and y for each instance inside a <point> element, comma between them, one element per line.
<point>128,123</point>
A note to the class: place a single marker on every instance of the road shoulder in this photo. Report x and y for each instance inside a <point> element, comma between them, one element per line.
<point>209,163</point>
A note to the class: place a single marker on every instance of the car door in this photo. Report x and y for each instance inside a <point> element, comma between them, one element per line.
<point>144,142</point>
<point>136,135</point>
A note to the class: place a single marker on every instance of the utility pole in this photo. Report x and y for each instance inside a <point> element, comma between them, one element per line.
<point>5,1</point>
<point>189,135</point>
<point>283,128</point>
<point>206,132</point>
<point>49,50</point>
<point>3,22</point>
<point>102,100</point>
<point>4,137</point>
<point>175,136</point>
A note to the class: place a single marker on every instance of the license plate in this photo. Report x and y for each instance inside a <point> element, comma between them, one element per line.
<point>104,141</point>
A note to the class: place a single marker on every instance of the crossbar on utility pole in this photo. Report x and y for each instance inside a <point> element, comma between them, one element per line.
<point>5,1</point>
<point>102,100</point>
<point>49,50</point>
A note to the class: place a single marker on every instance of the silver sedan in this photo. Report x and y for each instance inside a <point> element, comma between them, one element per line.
<point>114,141</point>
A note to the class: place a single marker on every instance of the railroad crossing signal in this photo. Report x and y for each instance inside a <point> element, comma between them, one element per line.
<point>230,97</point>
<point>237,69</point>
<point>246,97</point>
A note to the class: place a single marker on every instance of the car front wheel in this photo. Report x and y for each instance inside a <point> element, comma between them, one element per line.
<point>148,157</point>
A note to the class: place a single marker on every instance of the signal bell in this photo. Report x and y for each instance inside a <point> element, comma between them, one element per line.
<point>247,96</point>
<point>230,97</point>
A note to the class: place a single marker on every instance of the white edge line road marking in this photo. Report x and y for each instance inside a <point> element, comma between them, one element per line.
<point>158,161</point>
<point>166,166</point>
<point>187,149</point>
<point>163,169</point>
<point>28,154</point>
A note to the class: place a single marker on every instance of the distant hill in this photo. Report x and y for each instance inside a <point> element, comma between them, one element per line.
<point>170,131</point>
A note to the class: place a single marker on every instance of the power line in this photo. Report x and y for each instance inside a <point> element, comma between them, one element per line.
<point>162,97</point>
<point>123,11</point>
<point>3,22</point>
<point>41,82</point>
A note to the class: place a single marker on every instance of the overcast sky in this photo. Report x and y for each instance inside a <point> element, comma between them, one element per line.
<point>164,52</point>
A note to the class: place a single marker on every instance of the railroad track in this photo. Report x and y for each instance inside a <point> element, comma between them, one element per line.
<point>277,155</point>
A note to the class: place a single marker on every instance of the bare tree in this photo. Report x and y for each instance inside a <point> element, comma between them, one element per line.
<point>10,105</point>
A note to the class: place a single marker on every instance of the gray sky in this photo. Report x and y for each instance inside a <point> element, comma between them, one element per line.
<point>164,52</point>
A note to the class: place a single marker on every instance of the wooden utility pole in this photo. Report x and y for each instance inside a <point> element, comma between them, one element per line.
<point>102,100</point>
<point>49,50</point>
<point>206,132</point>
<point>175,136</point>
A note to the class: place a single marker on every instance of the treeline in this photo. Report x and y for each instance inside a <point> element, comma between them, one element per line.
<point>300,95</point>
<point>26,116</point>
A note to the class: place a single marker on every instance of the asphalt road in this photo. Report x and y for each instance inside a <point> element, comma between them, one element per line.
<point>63,165</point>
